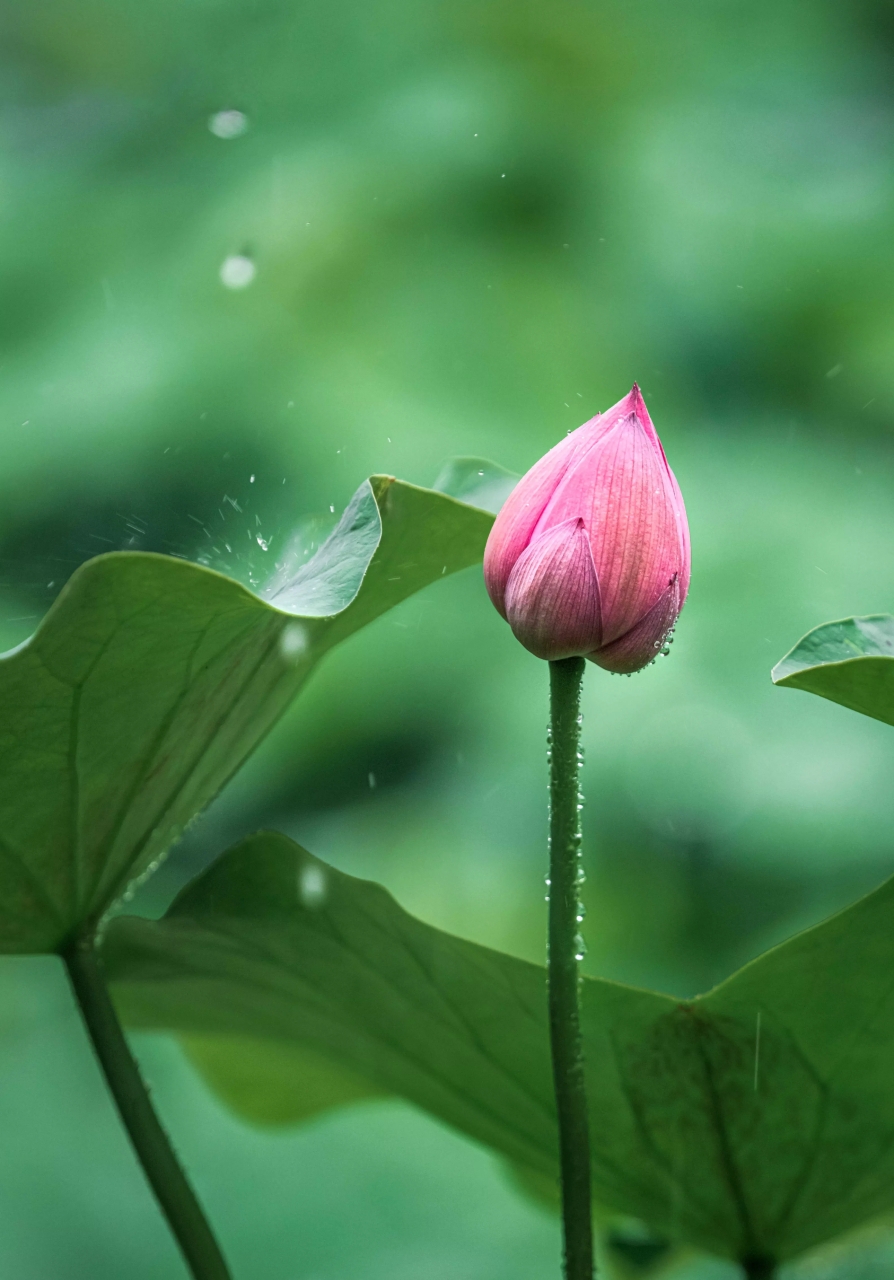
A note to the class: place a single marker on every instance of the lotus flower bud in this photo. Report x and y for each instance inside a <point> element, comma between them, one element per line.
<point>590,554</point>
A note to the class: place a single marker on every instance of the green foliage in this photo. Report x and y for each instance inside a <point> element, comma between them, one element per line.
<point>257,1078</point>
<point>757,1119</point>
<point>151,679</point>
<point>851,662</point>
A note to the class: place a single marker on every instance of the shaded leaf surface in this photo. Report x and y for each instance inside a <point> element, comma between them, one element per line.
<point>151,679</point>
<point>256,1078</point>
<point>478,481</point>
<point>757,1119</point>
<point>851,662</point>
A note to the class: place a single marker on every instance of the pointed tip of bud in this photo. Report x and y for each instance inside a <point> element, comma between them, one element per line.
<point>636,404</point>
<point>632,405</point>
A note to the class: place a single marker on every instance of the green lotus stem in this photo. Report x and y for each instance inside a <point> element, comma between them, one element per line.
<point>565,947</point>
<point>175,1196</point>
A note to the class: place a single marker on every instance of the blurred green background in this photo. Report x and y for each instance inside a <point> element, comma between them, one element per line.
<point>435,229</point>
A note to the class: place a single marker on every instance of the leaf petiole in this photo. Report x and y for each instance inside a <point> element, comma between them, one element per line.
<point>169,1183</point>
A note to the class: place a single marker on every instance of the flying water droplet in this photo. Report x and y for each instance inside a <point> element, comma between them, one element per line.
<point>228,124</point>
<point>237,271</point>
<point>294,642</point>
<point>312,887</point>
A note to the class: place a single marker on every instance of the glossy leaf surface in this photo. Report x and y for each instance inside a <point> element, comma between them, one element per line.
<point>151,679</point>
<point>757,1119</point>
<point>851,662</point>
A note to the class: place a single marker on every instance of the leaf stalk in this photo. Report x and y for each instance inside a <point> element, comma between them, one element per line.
<point>565,948</point>
<point>162,1169</point>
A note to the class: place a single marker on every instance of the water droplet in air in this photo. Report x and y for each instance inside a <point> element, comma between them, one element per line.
<point>228,124</point>
<point>294,642</point>
<point>262,544</point>
<point>372,781</point>
<point>251,480</point>
<point>332,509</point>
<point>312,888</point>
<point>237,271</point>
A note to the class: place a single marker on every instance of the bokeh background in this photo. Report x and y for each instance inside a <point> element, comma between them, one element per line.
<point>255,250</point>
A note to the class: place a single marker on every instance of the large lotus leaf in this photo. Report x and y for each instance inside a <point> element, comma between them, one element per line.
<point>151,679</point>
<point>476,480</point>
<point>757,1119</point>
<point>257,1078</point>
<point>851,662</point>
<point>275,1083</point>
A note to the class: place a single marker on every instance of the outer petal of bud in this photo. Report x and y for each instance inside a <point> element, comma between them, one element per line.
<point>607,485</point>
<point>552,597</point>
<point>523,509</point>
<point>637,647</point>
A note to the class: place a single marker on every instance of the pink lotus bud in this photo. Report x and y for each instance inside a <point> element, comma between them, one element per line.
<point>590,554</point>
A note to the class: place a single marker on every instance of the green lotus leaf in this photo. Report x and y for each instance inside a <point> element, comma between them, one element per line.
<point>151,679</point>
<point>851,662</point>
<point>757,1120</point>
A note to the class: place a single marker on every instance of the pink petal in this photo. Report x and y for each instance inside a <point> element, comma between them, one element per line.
<point>638,405</point>
<point>622,488</point>
<point>515,525</point>
<point>552,597</point>
<point>683,527</point>
<point>633,402</point>
<point>643,642</point>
